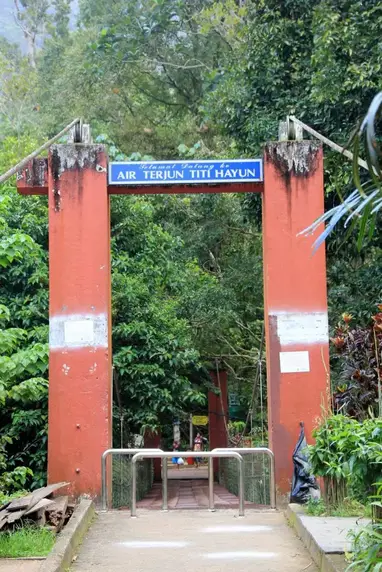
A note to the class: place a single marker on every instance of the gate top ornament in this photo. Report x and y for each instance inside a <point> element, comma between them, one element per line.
<point>186,172</point>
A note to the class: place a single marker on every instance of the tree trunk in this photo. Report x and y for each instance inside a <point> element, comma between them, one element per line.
<point>31,43</point>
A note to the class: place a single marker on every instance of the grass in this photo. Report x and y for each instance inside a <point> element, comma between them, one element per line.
<point>26,541</point>
<point>349,507</point>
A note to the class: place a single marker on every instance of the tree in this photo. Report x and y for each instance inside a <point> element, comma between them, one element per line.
<point>23,365</point>
<point>154,356</point>
<point>38,17</point>
<point>31,16</point>
<point>317,60</point>
<point>17,104</point>
<point>144,87</point>
<point>23,328</point>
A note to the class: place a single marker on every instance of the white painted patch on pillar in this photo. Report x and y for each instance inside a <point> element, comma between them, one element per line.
<point>294,362</point>
<point>78,331</point>
<point>240,555</point>
<point>301,327</point>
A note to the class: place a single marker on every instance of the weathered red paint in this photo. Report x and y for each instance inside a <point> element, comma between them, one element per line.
<point>294,281</point>
<point>33,180</point>
<point>153,441</point>
<point>218,413</point>
<point>80,391</point>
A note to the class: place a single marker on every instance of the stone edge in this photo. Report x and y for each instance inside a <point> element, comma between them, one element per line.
<point>61,556</point>
<point>325,562</point>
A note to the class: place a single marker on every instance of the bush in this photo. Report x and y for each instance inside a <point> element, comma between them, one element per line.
<point>367,545</point>
<point>358,350</point>
<point>348,455</point>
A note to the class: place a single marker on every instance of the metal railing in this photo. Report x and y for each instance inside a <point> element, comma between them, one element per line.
<point>253,451</point>
<point>208,454</point>
<point>104,457</point>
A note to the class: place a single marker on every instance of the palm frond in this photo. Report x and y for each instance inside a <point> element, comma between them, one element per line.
<point>363,204</point>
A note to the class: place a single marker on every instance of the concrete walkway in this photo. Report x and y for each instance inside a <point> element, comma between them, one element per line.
<point>332,533</point>
<point>190,541</point>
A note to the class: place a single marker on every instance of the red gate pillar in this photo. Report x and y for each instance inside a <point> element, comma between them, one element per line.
<point>153,441</point>
<point>295,303</point>
<point>80,392</point>
<point>218,413</point>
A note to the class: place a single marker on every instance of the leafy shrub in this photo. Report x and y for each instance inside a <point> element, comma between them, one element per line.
<point>359,349</point>
<point>24,354</point>
<point>348,454</point>
<point>367,543</point>
<point>367,549</point>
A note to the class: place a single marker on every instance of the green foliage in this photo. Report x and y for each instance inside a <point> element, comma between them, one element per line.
<point>24,349</point>
<point>367,543</point>
<point>154,355</point>
<point>357,384</point>
<point>348,508</point>
<point>362,206</point>
<point>26,542</point>
<point>367,547</point>
<point>7,498</point>
<point>349,453</point>
<point>16,95</point>
<point>318,60</point>
<point>354,280</point>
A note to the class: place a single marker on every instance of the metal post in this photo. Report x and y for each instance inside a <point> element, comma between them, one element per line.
<point>241,488</point>
<point>209,454</point>
<point>259,450</point>
<point>211,499</point>
<point>104,483</point>
<point>191,433</point>
<point>273,482</point>
<point>134,490</point>
<point>165,484</point>
<point>104,457</point>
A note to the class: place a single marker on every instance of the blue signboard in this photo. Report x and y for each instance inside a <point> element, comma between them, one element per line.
<point>186,172</point>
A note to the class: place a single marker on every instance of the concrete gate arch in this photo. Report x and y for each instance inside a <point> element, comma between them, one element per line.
<point>80,365</point>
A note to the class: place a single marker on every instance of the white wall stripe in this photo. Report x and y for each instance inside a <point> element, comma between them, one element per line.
<point>301,327</point>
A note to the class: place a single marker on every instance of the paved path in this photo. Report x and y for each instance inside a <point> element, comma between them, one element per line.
<point>188,494</point>
<point>190,541</point>
<point>188,473</point>
<point>20,565</point>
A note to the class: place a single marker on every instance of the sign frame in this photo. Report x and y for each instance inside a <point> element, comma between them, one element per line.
<point>183,167</point>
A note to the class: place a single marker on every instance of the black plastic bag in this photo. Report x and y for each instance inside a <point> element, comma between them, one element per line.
<point>304,484</point>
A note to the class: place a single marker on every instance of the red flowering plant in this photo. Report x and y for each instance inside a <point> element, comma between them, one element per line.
<point>358,349</point>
